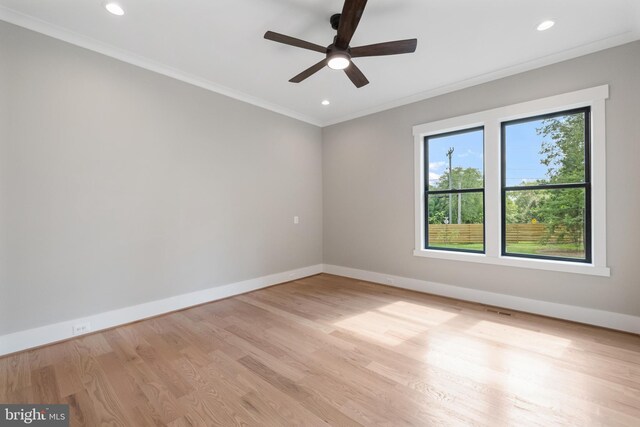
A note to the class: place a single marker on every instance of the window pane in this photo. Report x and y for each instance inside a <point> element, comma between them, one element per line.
<point>465,230</point>
<point>466,160</point>
<point>549,223</point>
<point>545,151</point>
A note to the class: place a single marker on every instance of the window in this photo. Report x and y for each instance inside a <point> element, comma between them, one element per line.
<point>520,186</point>
<point>454,190</point>
<point>545,187</point>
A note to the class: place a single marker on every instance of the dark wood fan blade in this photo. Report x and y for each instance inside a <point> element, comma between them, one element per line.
<point>349,19</point>
<point>355,75</point>
<point>388,48</point>
<point>292,41</point>
<point>309,71</point>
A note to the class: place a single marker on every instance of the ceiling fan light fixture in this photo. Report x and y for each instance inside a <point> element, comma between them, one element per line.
<point>339,61</point>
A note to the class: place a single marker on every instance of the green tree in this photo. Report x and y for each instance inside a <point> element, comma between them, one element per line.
<point>522,207</point>
<point>472,210</point>
<point>563,148</point>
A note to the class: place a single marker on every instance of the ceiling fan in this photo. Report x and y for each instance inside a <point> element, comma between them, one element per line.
<point>339,53</point>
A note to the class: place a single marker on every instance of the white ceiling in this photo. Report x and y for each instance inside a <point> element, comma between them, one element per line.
<point>218,44</point>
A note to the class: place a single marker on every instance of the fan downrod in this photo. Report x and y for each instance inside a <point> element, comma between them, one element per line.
<point>335,20</point>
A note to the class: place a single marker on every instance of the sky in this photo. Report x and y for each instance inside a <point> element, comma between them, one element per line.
<point>523,157</point>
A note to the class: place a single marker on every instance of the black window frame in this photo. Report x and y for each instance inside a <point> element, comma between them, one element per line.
<point>428,192</point>
<point>586,184</point>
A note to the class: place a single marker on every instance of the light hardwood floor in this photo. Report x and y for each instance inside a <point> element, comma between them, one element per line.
<point>330,350</point>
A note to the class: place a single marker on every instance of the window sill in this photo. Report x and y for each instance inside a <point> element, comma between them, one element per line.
<point>550,265</point>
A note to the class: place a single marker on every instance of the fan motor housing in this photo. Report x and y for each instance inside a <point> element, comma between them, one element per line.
<point>332,50</point>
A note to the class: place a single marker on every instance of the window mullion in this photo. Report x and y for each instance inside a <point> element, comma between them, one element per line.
<point>455,191</point>
<point>492,188</point>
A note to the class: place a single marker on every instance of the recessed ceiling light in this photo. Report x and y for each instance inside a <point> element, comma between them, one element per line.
<point>325,102</point>
<point>114,8</point>
<point>546,25</point>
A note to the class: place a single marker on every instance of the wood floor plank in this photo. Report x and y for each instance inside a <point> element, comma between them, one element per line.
<point>108,408</point>
<point>159,398</point>
<point>81,410</point>
<point>286,407</point>
<point>318,406</point>
<point>327,350</point>
<point>44,385</point>
<point>18,372</point>
<point>124,385</point>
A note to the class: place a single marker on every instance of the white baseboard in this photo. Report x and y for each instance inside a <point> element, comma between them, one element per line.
<point>48,334</point>
<point>591,316</point>
<point>35,337</point>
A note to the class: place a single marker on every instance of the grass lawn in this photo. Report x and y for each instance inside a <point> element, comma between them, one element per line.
<point>464,246</point>
<point>567,250</point>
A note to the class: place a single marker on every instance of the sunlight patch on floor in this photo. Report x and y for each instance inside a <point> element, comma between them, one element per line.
<point>520,337</point>
<point>395,323</point>
<point>525,374</point>
<point>418,313</point>
<point>508,371</point>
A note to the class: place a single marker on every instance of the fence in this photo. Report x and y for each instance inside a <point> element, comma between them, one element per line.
<point>473,233</point>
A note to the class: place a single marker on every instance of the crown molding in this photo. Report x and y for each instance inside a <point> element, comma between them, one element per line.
<point>51,30</point>
<point>56,32</point>
<point>617,40</point>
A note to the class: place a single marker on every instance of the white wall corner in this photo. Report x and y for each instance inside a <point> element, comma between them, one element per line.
<point>48,334</point>
<point>590,316</point>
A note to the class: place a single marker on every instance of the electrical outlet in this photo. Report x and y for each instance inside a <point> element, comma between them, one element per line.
<point>81,328</point>
<point>296,219</point>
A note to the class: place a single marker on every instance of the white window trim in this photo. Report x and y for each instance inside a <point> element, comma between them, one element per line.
<point>491,119</point>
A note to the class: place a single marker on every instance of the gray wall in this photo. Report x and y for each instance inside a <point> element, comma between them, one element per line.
<point>120,186</point>
<point>369,193</point>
